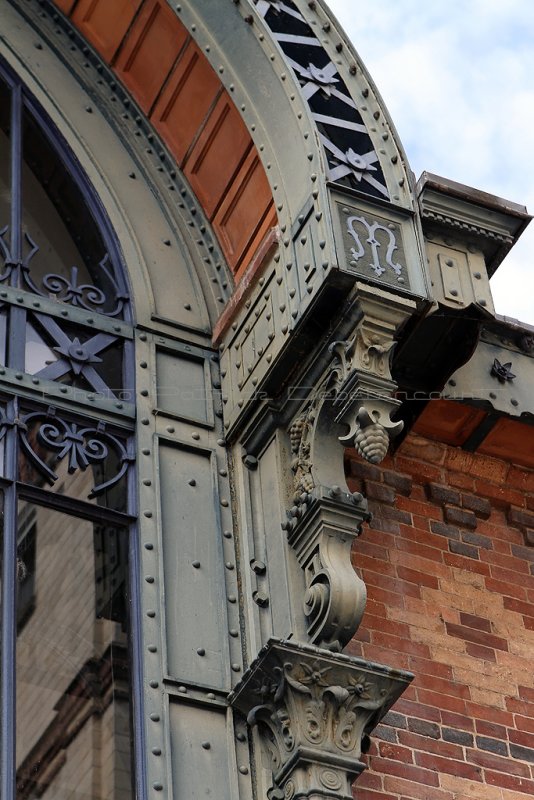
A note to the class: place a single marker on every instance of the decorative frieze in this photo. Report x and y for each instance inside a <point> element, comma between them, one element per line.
<point>314,712</point>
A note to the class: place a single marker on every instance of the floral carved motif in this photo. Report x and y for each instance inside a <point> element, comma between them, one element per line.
<point>313,710</point>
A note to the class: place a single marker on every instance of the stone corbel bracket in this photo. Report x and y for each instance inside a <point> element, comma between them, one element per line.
<point>313,710</point>
<point>321,531</point>
<point>352,405</point>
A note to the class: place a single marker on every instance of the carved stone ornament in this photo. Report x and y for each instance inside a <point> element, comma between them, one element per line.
<point>351,406</point>
<point>313,712</point>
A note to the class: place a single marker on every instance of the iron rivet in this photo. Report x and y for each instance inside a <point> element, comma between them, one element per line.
<point>149,546</point>
<point>227,534</point>
<point>232,598</point>
<point>243,770</point>
<point>196,564</point>
<point>151,613</point>
<point>206,745</point>
<point>147,514</point>
<point>143,337</point>
<point>192,482</point>
<point>19,377</point>
<point>143,364</point>
<point>236,667</point>
<point>170,429</point>
<point>229,566</point>
<point>157,786</point>
<point>131,175</point>
<point>145,451</point>
<point>224,502</point>
<point>195,436</point>
<point>514,402</point>
<point>144,393</point>
<point>149,578</point>
<point>156,751</point>
<point>233,633</point>
<point>145,421</point>
<point>182,690</point>
<point>201,651</point>
<point>154,717</point>
<point>493,395</point>
<point>241,737</point>
<point>152,648</point>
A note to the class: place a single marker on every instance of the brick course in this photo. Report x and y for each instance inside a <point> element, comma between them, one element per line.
<point>449,571</point>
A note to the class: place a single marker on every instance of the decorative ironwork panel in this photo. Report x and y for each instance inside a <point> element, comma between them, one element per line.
<point>54,447</point>
<point>350,154</point>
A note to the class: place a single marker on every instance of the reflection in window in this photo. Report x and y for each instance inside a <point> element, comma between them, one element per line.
<point>73,729</point>
<point>65,334</point>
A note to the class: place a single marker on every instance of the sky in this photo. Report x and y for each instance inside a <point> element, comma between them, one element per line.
<point>457,77</point>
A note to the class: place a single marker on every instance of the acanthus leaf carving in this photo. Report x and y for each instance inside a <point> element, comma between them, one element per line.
<point>318,712</point>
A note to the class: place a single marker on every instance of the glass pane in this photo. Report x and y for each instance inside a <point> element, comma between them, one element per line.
<point>65,254</point>
<point>5,171</point>
<point>74,355</point>
<point>73,714</point>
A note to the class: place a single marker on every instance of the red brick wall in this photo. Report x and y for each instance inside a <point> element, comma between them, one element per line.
<point>450,597</point>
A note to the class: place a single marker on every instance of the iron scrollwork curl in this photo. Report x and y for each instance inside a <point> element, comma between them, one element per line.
<point>65,289</point>
<point>83,445</point>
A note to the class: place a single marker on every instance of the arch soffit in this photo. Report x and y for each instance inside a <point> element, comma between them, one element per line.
<point>177,273</point>
<point>265,99</point>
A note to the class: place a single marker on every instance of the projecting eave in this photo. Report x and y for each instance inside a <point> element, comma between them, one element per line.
<point>493,223</point>
<point>488,404</point>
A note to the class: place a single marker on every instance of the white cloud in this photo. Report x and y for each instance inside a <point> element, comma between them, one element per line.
<point>456,76</point>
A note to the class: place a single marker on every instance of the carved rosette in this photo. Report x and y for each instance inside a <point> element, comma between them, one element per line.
<point>312,711</point>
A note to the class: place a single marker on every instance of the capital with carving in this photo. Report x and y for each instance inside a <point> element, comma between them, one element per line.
<point>313,711</point>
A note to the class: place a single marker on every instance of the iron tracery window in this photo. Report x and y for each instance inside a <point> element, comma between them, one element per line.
<point>66,453</point>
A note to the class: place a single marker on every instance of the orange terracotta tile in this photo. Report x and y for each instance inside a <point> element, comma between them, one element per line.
<point>64,5</point>
<point>150,50</point>
<point>186,101</point>
<point>263,237</point>
<point>217,154</point>
<point>104,24</point>
<point>448,422</point>
<point>510,440</point>
<point>243,210</point>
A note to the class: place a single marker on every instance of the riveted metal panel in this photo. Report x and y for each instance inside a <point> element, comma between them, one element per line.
<point>199,747</point>
<point>193,568</point>
<point>182,387</point>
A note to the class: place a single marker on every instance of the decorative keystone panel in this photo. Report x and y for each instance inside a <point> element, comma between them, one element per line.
<point>378,243</point>
<point>314,712</point>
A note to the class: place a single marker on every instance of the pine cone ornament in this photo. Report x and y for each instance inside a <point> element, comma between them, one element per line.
<point>372,443</point>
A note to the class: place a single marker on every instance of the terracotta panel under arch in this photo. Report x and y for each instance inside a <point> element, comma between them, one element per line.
<point>186,101</point>
<point>217,154</point>
<point>243,209</point>
<point>510,440</point>
<point>105,23</point>
<point>65,5</point>
<point>150,50</point>
<point>448,422</point>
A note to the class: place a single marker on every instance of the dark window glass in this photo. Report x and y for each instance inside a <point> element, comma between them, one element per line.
<point>73,730</point>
